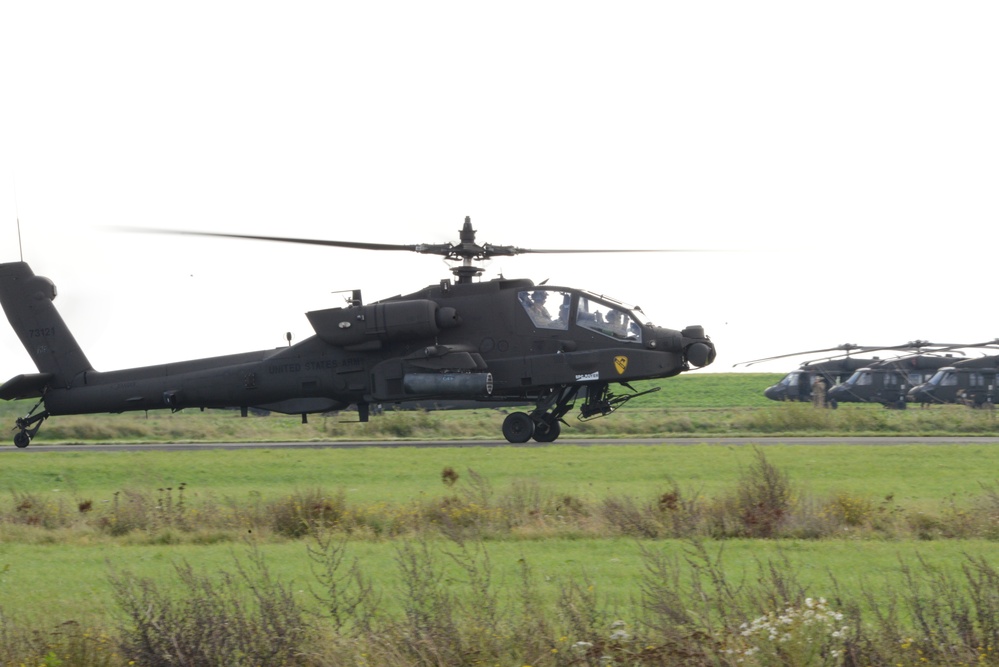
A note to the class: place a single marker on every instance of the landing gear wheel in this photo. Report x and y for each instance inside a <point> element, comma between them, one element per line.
<point>518,427</point>
<point>547,430</point>
<point>28,426</point>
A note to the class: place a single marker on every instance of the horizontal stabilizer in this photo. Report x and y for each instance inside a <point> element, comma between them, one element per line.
<point>25,386</point>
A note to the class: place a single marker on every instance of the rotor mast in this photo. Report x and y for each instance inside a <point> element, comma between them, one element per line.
<point>467,251</point>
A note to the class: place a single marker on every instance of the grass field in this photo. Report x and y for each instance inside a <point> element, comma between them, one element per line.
<point>857,519</point>
<point>926,480</point>
<point>917,474</point>
<point>36,590</point>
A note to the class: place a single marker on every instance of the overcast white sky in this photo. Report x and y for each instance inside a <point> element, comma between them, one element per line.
<point>848,150</point>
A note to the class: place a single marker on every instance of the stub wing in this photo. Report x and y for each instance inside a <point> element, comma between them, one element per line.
<point>28,385</point>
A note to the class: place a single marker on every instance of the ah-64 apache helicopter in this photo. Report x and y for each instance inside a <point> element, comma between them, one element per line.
<point>488,342</point>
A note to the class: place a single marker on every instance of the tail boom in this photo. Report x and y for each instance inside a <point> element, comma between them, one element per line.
<point>27,300</point>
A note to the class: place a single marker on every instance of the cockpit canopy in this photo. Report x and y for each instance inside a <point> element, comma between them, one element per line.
<point>945,377</point>
<point>789,380</point>
<point>557,308</point>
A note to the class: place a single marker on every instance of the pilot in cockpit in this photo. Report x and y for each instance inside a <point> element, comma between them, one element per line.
<point>539,313</point>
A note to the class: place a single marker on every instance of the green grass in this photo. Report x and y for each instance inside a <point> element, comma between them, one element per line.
<point>58,575</point>
<point>710,390</point>
<point>49,584</point>
<point>917,473</point>
<point>51,575</point>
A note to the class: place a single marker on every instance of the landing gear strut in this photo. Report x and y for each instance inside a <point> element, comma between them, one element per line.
<point>544,423</point>
<point>28,426</point>
<point>547,429</point>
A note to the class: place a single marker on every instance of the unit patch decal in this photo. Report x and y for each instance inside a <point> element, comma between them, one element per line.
<point>621,364</point>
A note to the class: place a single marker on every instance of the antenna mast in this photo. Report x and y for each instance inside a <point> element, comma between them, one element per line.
<point>17,216</point>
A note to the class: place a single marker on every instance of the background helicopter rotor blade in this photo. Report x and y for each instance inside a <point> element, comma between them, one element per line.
<point>922,346</point>
<point>987,345</point>
<point>913,347</point>
<point>844,349</point>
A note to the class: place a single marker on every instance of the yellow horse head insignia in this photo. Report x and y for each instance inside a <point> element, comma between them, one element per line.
<point>621,364</point>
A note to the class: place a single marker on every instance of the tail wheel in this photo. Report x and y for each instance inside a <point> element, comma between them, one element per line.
<point>518,427</point>
<point>28,426</point>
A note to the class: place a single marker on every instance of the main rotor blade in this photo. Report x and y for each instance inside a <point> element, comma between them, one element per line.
<point>462,250</point>
<point>279,239</point>
<point>557,251</point>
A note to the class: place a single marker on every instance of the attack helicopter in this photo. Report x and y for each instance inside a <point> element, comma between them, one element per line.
<point>491,342</point>
<point>969,381</point>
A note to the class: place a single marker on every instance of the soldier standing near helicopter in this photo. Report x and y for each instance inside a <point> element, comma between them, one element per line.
<point>819,392</point>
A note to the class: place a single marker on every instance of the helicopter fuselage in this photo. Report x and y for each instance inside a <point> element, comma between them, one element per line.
<point>797,385</point>
<point>889,381</point>
<point>971,381</point>
<point>483,342</point>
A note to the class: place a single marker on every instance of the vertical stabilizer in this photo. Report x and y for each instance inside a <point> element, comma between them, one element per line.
<point>27,301</point>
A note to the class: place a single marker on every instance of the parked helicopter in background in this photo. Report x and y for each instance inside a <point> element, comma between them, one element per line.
<point>486,343</point>
<point>888,382</point>
<point>971,382</point>
<point>852,379</point>
<point>797,385</point>
<point>833,370</point>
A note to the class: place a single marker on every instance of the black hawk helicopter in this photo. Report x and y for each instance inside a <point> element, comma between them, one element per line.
<point>834,369</point>
<point>485,342</point>
<point>968,381</point>
<point>868,379</point>
<point>888,382</point>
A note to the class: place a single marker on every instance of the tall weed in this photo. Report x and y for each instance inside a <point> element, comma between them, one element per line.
<point>244,617</point>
